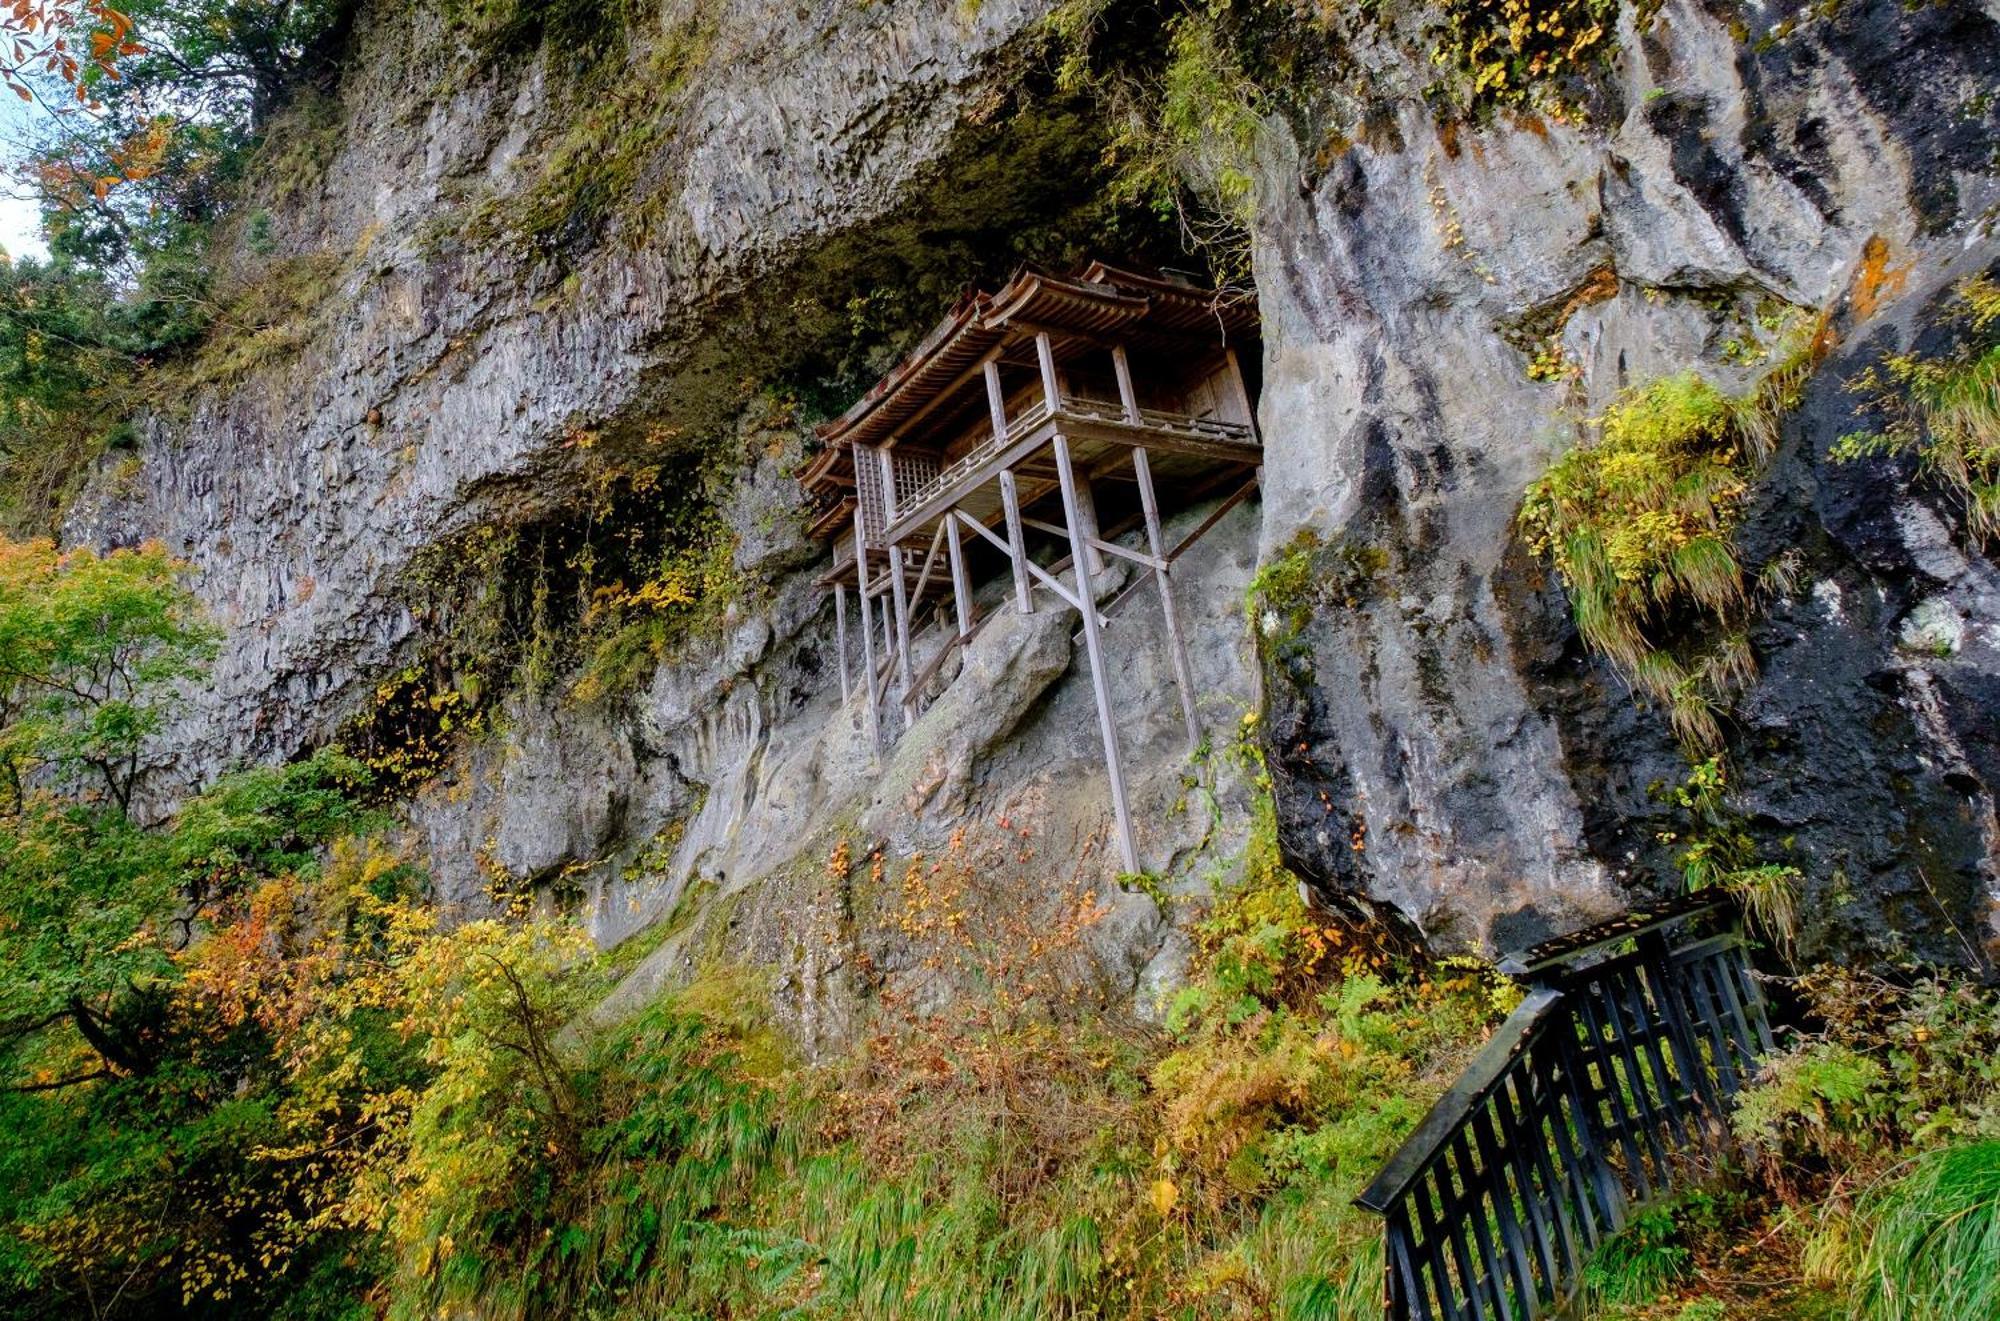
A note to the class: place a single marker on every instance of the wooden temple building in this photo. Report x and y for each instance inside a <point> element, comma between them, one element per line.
<point>999,443</point>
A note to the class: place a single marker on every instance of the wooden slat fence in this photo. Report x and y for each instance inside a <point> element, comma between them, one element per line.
<point>1607,1088</point>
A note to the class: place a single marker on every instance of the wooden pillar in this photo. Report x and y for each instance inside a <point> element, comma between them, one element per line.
<point>1017,543</point>
<point>900,595</point>
<point>840,639</point>
<point>1142,468</point>
<point>961,596</point>
<point>996,401</point>
<point>1010,499</point>
<point>1240,390</point>
<point>898,572</point>
<point>1045,354</point>
<point>1093,646</point>
<point>1127,396</point>
<point>867,633</point>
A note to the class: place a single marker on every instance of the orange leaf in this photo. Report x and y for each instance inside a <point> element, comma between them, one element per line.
<point>22,92</point>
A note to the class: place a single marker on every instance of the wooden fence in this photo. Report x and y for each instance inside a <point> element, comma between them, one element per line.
<point>1605,1089</point>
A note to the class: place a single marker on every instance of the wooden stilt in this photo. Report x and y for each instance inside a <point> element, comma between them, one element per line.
<point>1176,643</point>
<point>1010,498</point>
<point>1128,847</point>
<point>840,638</point>
<point>867,634</point>
<point>1017,543</point>
<point>961,596</point>
<point>901,597</point>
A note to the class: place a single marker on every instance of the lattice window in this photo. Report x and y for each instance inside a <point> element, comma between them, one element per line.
<point>868,494</point>
<point>915,474</point>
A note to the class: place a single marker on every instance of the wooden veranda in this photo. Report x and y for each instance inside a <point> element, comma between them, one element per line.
<point>1013,419</point>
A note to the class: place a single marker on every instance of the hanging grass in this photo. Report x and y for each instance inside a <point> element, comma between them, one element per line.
<point>1639,525</point>
<point>1945,411</point>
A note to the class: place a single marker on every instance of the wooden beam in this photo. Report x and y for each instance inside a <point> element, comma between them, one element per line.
<point>1128,847</point>
<point>1177,644</point>
<point>867,635</point>
<point>1109,547</point>
<point>1153,562</point>
<point>957,383</point>
<point>1017,543</point>
<point>924,575</point>
<point>1043,575</point>
<point>960,594</point>
<point>1161,441</point>
<point>1215,515</point>
<point>840,636</point>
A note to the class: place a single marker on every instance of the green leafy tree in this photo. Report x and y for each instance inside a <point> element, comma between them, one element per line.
<point>136,1096</point>
<point>89,648</point>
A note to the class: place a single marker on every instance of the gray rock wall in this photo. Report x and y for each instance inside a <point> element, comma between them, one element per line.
<point>1489,778</point>
<point>441,383</point>
<point>1443,751</point>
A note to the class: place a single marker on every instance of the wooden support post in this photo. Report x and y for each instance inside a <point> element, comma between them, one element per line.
<point>1010,499</point>
<point>901,597</point>
<point>867,633</point>
<point>961,596</point>
<point>1242,393</point>
<point>1127,396</point>
<point>1128,847</point>
<point>1045,354</point>
<point>1017,543</point>
<point>840,638</point>
<point>1176,643</point>
<point>996,401</point>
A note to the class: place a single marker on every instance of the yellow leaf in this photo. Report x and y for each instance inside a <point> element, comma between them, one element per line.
<point>1165,1194</point>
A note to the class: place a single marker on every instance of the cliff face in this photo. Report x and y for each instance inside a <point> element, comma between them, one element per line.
<point>1489,778</point>
<point>1441,745</point>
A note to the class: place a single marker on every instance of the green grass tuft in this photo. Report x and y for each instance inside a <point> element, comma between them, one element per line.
<point>1931,1240</point>
<point>1639,524</point>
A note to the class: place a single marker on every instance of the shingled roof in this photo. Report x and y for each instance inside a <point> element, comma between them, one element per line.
<point>1099,300</point>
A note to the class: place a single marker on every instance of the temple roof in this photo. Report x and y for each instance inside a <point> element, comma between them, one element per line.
<point>1099,301</point>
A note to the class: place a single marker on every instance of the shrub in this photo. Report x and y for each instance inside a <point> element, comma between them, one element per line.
<point>1520,52</point>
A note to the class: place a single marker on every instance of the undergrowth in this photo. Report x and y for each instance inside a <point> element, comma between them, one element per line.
<point>1002,1143</point>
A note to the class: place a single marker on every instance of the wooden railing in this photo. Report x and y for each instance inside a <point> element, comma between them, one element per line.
<point>1036,413</point>
<point>1607,1088</point>
<point>1186,424</point>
